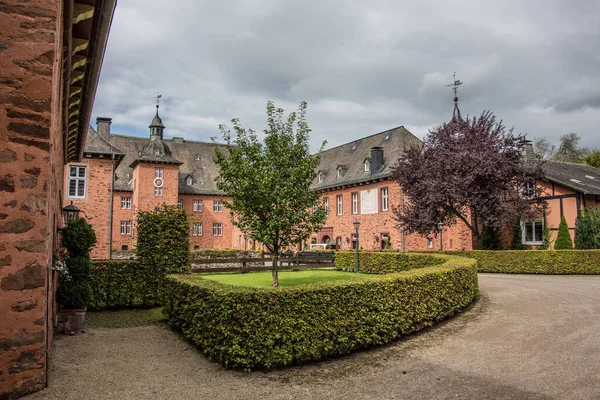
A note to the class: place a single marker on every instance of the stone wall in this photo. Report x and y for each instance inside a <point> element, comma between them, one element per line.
<point>31,158</point>
<point>382,223</point>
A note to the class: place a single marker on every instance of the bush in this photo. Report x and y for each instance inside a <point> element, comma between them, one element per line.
<point>587,229</point>
<point>563,239</point>
<point>250,328</point>
<point>382,262</point>
<point>553,262</point>
<point>125,284</point>
<point>74,290</point>
<point>163,239</point>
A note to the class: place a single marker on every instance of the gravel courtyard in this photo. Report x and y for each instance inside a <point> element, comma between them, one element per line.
<point>527,337</point>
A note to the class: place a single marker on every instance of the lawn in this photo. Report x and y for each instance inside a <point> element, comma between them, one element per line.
<point>286,278</point>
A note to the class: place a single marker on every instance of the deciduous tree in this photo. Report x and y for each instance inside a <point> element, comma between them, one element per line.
<point>471,171</point>
<point>269,181</point>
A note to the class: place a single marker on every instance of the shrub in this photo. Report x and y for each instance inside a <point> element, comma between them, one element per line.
<point>517,243</point>
<point>250,328</point>
<point>125,284</point>
<point>163,239</point>
<point>563,239</point>
<point>74,290</point>
<point>554,262</point>
<point>587,229</point>
<point>383,262</point>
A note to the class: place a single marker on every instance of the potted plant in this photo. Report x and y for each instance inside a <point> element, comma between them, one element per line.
<point>74,266</point>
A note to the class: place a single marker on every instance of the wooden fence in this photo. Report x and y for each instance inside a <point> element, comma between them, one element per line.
<point>302,260</point>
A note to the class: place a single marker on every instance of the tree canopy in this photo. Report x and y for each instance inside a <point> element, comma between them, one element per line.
<point>470,170</point>
<point>269,182</point>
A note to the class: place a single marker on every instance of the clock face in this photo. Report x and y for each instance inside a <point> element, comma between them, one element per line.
<point>158,182</point>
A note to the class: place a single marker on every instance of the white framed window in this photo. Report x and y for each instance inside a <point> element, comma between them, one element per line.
<point>125,203</point>
<point>158,191</point>
<point>197,206</point>
<point>355,203</point>
<point>77,181</point>
<point>320,177</point>
<point>326,205</point>
<point>339,173</point>
<point>533,231</point>
<point>197,157</point>
<point>158,173</point>
<point>429,243</point>
<point>385,204</point>
<point>189,181</point>
<point>217,229</point>
<point>125,227</point>
<point>367,166</point>
<point>339,204</point>
<point>217,206</point>
<point>180,204</point>
<point>197,229</point>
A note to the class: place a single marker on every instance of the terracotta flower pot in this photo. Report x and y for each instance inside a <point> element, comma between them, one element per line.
<point>72,320</point>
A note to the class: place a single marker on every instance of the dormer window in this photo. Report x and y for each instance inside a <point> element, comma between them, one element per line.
<point>367,166</point>
<point>339,173</point>
<point>320,177</point>
<point>197,157</point>
<point>189,181</point>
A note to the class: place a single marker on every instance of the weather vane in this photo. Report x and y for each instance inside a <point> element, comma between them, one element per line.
<point>158,96</point>
<point>455,85</point>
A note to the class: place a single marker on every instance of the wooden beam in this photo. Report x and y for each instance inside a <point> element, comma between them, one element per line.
<point>81,12</point>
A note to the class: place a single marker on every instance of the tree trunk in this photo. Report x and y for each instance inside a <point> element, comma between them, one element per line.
<point>274,270</point>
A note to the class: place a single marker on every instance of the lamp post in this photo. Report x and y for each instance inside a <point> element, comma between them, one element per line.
<point>441,229</point>
<point>70,213</point>
<point>245,241</point>
<point>356,225</point>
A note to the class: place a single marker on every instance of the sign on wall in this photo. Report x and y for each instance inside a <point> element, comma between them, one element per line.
<point>368,201</point>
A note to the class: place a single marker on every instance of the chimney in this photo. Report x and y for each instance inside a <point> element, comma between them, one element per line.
<point>527,151</point>
<point>103,125</point>
<point>376,159</point>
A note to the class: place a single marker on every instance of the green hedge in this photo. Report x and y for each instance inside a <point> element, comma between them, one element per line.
<point>559,262</point>
<point>251,328</point>
<point>125,284</point>
<point>383,262</point>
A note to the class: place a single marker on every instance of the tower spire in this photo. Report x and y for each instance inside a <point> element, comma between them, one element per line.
<point>456,113</point>
<point>157,127</point>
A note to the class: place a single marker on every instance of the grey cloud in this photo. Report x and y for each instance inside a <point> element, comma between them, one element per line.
<point>362,66</point>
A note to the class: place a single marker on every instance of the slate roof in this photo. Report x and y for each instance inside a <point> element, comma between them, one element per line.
<point>352,155</point>
<point>579,177</point>
<point>204,171</point>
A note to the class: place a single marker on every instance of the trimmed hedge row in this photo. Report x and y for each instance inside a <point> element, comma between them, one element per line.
<point>125,284</point>
<point>251,328</point>
<point>557,262</point>
<point>383,262</point>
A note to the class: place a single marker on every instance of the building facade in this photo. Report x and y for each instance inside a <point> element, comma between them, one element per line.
<point>50,57</point>
<point>121,175</point>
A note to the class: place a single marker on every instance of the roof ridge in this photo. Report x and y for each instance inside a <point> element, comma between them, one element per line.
<point>170,140</point>
<point>366,137</point>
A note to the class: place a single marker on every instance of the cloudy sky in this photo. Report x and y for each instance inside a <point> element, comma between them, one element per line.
<point>362,66</point>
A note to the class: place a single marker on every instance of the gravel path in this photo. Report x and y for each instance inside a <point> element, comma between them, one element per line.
<point>528,337</point>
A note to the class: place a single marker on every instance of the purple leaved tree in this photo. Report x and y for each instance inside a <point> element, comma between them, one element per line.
<point>472,171</point>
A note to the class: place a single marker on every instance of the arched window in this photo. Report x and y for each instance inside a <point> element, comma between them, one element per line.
<point>189,181</point>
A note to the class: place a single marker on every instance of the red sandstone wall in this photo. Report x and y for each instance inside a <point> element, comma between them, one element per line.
<point>96,204</point>
<point>30,182</point>
<point>375,225</point>
<point>143,186</point>
<point>208,217</point>
<point>122,215</point>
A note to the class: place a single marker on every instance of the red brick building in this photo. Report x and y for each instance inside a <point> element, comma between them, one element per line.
<point>50,57</point>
